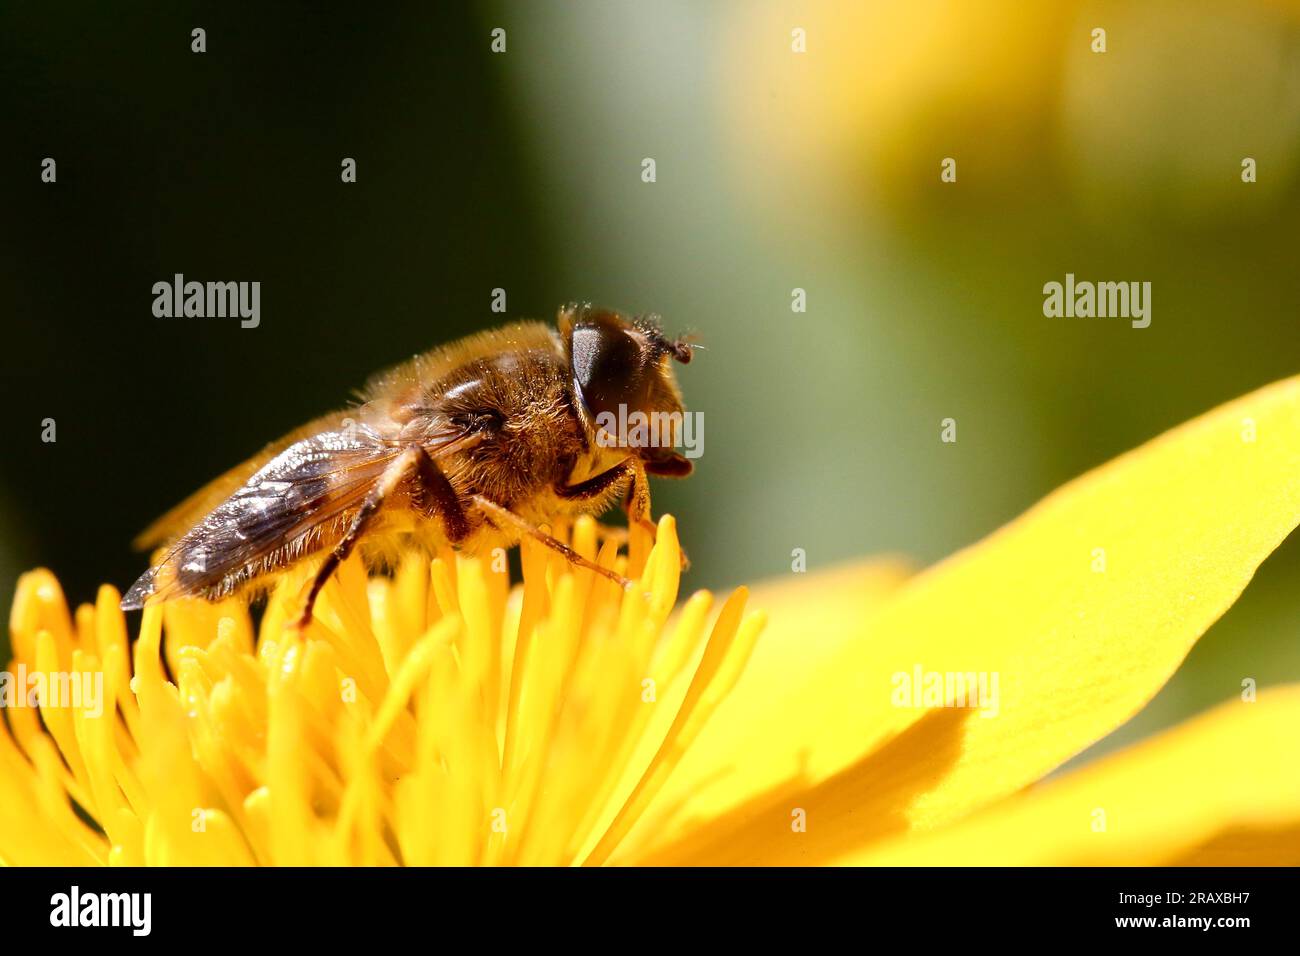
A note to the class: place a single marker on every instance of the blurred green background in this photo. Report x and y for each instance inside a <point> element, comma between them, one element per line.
<point>775,170</point>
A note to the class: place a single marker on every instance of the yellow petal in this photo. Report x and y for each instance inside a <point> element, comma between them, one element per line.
<point>1228,777</point>
<point>1082,609</point>
<point>803,632</point>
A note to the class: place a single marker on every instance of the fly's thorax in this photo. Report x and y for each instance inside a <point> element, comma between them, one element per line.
<point>517,452</point>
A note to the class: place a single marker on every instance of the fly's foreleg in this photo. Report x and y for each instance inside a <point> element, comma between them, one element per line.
<point>636,502</point>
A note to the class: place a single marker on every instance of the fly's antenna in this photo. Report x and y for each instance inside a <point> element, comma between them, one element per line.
<point>685,345</point>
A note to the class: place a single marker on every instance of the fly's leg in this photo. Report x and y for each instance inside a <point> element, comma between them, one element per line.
<point>636,503</point>
<point>437,498</point>
<point>432,491</point>
<point>502,514</point>
<point>637,500</point>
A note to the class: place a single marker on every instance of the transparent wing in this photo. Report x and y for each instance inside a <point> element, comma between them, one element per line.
<point>299,502</point>
<point>184,516</point>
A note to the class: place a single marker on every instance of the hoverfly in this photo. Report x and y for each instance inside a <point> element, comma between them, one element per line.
<point>489,437</point>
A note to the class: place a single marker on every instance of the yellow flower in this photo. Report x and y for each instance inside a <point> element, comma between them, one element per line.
<point>410,725</point>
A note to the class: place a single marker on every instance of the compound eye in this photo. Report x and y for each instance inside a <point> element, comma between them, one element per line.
<point>608,366</point>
